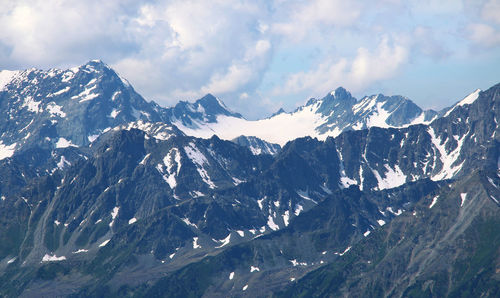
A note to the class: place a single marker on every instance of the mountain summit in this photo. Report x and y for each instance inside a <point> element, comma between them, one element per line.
<point>193,115</point>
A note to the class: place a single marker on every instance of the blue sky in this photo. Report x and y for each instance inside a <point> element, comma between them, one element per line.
<point>258,56</point>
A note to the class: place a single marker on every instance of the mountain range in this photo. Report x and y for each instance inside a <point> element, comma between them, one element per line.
<point>106,194</point>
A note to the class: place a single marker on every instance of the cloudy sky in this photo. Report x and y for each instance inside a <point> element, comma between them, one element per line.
<point>258,56</point>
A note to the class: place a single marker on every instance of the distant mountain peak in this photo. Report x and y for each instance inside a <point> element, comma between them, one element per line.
<point>280,111</point>
<point>75,105</point>
<point>210,101</point>
<point>204,110</point>
<point>340,92</point>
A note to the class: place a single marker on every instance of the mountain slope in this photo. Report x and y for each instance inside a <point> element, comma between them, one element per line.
<point>448,245</point>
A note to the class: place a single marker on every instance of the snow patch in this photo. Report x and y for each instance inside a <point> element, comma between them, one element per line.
<point>199,160</point>
<point>252,269</point>
<point>393,178</point>
<point>132,220</point>
<point>346,181</point>
<point>344,252</point>
<point>114,214</point>
<point>55,110</point>
<point>231,275</point>
<point>298,209</point>
<point>6,76</point>
<point>447,159</point>
<point>286,218</point>
<point>32,105</point>
<point>378,117</point>
<point>86,95</point>
<point>92,138</point>
<point>305,196</point>
<point>7,150</point>
<point>64,90</point>
<point>463,196</point>
<point>195,243</point>
<point>80,251</point>
<point>170,178</point>
<point>114,113</point>
<point>53,258</point>
<point>260,203</point>
<point>189,223</point>
<point>224,241</point>
<point>237,181</point>
<point>104,243</point>
<point>271,224</point>
<point>63,162</point>
<point>492,182</point>
<point>434,201</point>
<point>143,161</point>
<point>63,143</point>
<point>397,213</point>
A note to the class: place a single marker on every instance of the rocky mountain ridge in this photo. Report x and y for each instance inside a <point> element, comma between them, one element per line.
<point>143,208</point>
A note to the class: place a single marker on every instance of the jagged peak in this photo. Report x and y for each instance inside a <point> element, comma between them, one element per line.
<point>340,92</point>
<point>96,62</point>
<point>94,65</point>
<point>311,101</point>
<point>280,111</point>
<point>209,99</point>
<point>208,106</point>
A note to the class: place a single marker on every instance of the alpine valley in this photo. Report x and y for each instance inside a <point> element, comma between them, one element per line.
<point>106,194</point>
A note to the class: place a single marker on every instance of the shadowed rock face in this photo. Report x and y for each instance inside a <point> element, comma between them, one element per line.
<point>147,210</point>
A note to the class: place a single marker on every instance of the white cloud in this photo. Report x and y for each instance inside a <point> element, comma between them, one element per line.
<point>305,18</point>
<point>240,72</point>
<point>491,11</point>
<point>425,42</point>
<point>207,48</point>
<point>44,33</point>
<point>435,7</point>
<point>240,50</point>
<point>356,74</point>
<point>483,34</point>
<point>165,48</point>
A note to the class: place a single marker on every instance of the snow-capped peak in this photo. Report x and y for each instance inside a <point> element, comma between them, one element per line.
<point>340,92</point>
<point>329,116</point>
